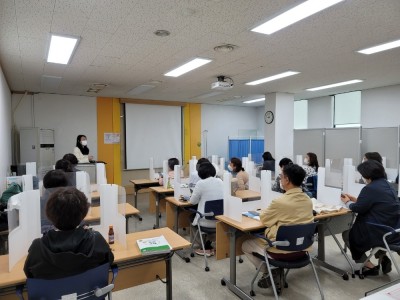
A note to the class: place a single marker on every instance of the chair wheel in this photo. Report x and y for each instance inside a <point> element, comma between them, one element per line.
<point>345,276</point>
<point>240,260</point>
<point>361,276</point>
<point>187,259</point>
<point>140,219</point>
<point>154,226</point>
<point>223,282</point>
<point>353,275</point>
<point>279,291</point>
<point>252,293</point>
<point>286,285</point>
<point>191,254</point>
<point>159,215</point>
<point>207,269</point>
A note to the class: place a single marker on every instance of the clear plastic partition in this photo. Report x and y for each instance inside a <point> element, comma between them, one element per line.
<point>334,173</point>
<point>43,171</point>
<point>121,201</point>
<point>82,183</point>
<point>45,223</point>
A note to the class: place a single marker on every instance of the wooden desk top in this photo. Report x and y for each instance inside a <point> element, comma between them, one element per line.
<point>249,224</point>
<point>161,190</point>
<point>177,202</point>
<point>143,181</point>
<point>17,275</point>
<point>95,212</point>
<point>247,194</point>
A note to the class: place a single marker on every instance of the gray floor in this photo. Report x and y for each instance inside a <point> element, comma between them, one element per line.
<point>190,281</point>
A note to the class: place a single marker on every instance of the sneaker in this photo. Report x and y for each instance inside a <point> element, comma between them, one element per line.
<point>369,272</point>
<point>386,265</point>
<point>202,252</point>
<point>265,281</point>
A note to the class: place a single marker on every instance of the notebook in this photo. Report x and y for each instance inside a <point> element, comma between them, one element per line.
<point>154,245</point>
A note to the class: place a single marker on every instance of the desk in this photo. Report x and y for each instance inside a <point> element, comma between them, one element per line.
<point>134,268</point>
<point>174,218</point>
<point>247,195</point>
<point>234,239</point>
<point>139,184</point>
<point>95,195</point>
<point>159,192</point>
<point>94,215</point>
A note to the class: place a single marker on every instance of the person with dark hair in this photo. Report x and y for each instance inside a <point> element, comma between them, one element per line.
<point>207,188</point>
<point>65,165</point>
<point>373,156</point>
<point>172,162</point>
<point>81,151</point>
<point>69,249</point>
<point>310,165</point>
<point>240,176</point>
<point>376,203</point>
<point>269,162</point>
<point>276,187</point>
<point>54,179</point>
<point>293,207</point>
<point>194,176</point>
<point>72,159</point>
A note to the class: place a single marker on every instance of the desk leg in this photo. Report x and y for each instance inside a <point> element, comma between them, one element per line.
<point>168,267</point>
<point>180,253</point>
<point>231,283</point>
<point>158,199</point>
<point>126,224</point>
<point>137,188</point>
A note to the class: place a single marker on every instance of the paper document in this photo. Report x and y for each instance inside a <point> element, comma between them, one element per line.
<point>252,214</point>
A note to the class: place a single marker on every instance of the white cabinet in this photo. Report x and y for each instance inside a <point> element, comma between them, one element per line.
<point>37,145</point>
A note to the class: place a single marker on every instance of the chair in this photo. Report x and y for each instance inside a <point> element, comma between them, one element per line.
<point>295,238</point>
<point>212,208</point>
<point>391,242</point>
<point>89,285</point>
<point>312,184</point>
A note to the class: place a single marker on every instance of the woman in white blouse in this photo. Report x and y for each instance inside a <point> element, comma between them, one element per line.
<point>81,151</point>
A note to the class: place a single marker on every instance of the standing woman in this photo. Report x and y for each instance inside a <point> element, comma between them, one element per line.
<point>81,150</point>
<point>241,177</point>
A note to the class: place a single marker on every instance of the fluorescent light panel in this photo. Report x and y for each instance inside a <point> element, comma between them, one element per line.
<point>255,100</point>
<point>141,89</point>
<point>191,65</point>
<point>334,85</point>
<point>61,49</point>
<point>380,48</point>
<point>274,77</point>
<point>294,15</point>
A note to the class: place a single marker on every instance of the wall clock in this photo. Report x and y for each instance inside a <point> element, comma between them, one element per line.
<point>269,117</point>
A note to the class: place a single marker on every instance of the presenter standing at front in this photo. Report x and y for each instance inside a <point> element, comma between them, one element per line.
<point>81,150</point>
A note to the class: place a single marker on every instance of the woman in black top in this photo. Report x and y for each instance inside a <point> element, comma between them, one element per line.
<point>269,162</point>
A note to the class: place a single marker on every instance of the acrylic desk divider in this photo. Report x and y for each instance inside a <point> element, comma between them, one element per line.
<point>192,165</point>
<point>165,173</point>
<point>151,169</point>
<point>101,177</point>
<point>31,168</point>
<point>267,194</point>
<point>221,167</point>
<point>27,182</point>
<point>214,159</point>
<point>299,160</point>
<point>83,184</point>
<point>327,195</point>
<point>233,208</point>
<point>254,183</point>
<point>177,181</point>
<point>251,169</point>
<point>112,212</point>
<point>24,224</point>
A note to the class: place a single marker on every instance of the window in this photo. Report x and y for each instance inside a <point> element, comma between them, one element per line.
<point>347,110</point>
<point>300,114</point>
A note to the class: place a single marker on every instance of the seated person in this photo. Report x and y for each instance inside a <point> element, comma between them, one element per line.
<point>269,162</point>
<point>293,207</point>
<point>207,188</point>
<point>276,187</point>
<point>310,165</point>
<point>69,249</point>
<point>172,162</point>
<point>72,159</point>
<point>68,168</point>
<point>194,176</point>
<point>240,176</point>
<point>377,203</point>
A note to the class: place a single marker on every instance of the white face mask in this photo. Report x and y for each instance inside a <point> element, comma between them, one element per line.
<point>84,143</point>
<point>230,168</point>
<point>306,161</point>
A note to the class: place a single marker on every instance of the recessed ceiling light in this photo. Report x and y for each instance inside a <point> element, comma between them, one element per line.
<point>61,49</point>
<point>141,89</point>
<point>380,48</point>
<point>226,48</point>
<point>334,85</point>
<point>255,100</point>
<point>191,65</point>
<point>294,15</point>
<point>274,77</point>
<point>162,33</point>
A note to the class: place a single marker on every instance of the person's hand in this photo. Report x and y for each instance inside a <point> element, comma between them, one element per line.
<point>91,157</point>
<point>346,198</point>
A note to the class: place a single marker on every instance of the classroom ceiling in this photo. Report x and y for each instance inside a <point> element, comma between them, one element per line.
<point>118,47</point>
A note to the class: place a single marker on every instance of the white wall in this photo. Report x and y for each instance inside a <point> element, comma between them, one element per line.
<point>5,130</point>
<point>320,112</point>
<point>222,121</point>
<point>380,107</point>
<point>67,115</point>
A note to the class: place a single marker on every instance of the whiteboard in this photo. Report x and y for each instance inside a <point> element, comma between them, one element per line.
<point>152,131</point>
<point>309,140</point>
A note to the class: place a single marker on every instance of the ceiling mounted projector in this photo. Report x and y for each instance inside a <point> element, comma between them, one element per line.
<point>223,83</point>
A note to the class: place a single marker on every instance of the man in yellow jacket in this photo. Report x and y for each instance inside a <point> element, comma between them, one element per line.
<point>294,207</point>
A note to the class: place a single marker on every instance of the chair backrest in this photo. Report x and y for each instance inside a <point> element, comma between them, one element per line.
<point>312,184</point>
<point>299,236</point>
<point>214,206</point>
<point>83,284</point>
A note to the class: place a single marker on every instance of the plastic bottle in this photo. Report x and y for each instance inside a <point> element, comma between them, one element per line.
<point>111,235</point>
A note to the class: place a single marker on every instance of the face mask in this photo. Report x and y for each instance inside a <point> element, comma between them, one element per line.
<point>281,186</point>
<point>306,161</point>
<point>84,143</point>
<point>230,168</point>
